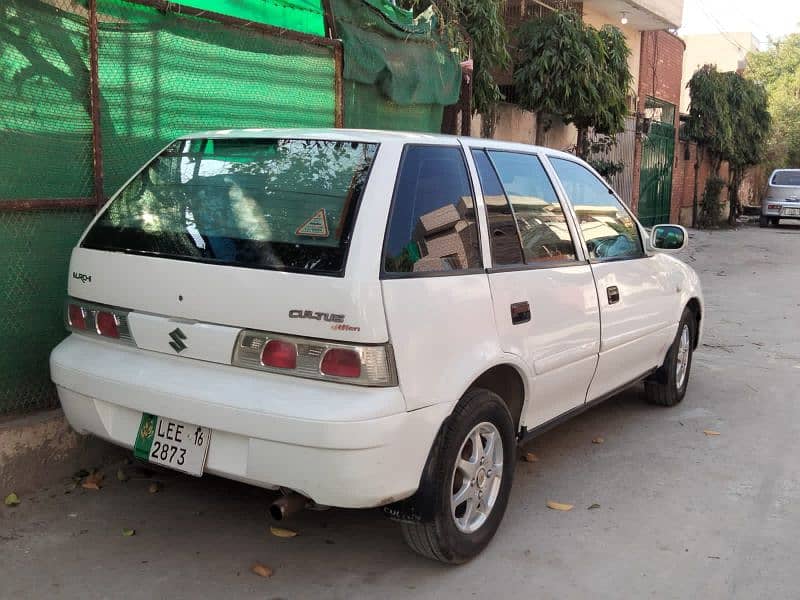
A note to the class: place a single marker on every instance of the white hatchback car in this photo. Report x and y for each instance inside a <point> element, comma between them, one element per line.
<point>364,318</point>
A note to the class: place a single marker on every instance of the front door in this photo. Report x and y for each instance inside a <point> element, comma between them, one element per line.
<point>635,302</point>
<point>544,297</point>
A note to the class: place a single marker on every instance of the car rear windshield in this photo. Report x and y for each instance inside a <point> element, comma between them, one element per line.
<point>267,203</point>
<point>786,178</point>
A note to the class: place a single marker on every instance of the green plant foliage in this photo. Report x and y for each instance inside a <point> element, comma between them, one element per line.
<point>709,121</point>
<point>570,69</point>
<point>728,118</point>
<point>486,37</point>
<point>710,207</point>
<point>778,70</point>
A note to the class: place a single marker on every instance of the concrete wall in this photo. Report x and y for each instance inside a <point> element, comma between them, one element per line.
<point>41,449</point>
<point>727,52</point>
<point>633,37</point>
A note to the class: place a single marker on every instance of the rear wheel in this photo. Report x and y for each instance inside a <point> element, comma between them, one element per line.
<point>470,480</point>
<point>774,221</point>
<point>763,221</point>
<point>667,386</point>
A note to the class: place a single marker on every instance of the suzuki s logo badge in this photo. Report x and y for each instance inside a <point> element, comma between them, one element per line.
<point>177,340</point>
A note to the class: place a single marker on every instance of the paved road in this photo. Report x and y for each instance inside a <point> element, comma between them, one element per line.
<point>681,514</point>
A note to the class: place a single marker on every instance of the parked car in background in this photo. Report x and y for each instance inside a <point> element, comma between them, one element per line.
<point>367,319</point>
<point>782,198</point>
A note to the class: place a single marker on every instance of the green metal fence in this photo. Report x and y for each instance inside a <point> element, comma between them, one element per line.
<point>90,89</point>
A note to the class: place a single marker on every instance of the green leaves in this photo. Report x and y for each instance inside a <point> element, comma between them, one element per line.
<point>778,70</point>
<point>727,110</point>
<point>570,69</point>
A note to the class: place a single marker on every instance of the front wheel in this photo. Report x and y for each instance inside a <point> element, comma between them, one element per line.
<point>667,386</point>
<point>470,479</point>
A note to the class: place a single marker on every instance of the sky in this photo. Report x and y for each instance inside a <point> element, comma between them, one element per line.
<point>764,18</point>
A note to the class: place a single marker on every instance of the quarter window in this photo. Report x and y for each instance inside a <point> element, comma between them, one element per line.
<point>608,228</point>
<point>432,225</point>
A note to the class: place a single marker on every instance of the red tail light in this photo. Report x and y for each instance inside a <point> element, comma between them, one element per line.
<point>282,355</point>
<point>77,317</point>
<point>340,362</point>
<point>107,324</point>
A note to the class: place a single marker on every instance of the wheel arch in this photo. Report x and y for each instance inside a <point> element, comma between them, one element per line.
<point>697,310</point>
<point>507,381</point>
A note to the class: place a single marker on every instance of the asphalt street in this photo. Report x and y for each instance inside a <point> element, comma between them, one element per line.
<point>682,514</point>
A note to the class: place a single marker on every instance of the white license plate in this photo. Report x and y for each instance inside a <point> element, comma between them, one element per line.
<point>790,212</point>
<point>174,444</point>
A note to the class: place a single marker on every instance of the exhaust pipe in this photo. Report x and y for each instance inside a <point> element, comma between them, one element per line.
<point>285,506</point>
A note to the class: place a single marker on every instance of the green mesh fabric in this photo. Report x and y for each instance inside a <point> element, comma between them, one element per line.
<point>45,130</point>
<point>166,75</point>
<point>34,255</point>
<point>366,108</point>
<point>305,16</point>
<point>394,67</point>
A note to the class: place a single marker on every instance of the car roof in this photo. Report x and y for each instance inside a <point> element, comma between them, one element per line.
<point>372,136</point>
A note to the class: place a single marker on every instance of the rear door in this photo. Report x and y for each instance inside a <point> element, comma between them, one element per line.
<point>544,297</point>
<point>636,295</point>
<point>435,291</point>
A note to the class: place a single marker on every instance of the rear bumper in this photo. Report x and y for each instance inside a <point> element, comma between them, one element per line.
<point>339,445</point>
<point>776,208</point>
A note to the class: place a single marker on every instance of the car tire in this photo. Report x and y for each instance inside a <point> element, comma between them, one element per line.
<point>667,386</point>
<point>457,469</point>
<point>774,221</point>
<point>763,221</point>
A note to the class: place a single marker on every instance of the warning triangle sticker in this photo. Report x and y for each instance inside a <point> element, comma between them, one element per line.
<point>315,226</point>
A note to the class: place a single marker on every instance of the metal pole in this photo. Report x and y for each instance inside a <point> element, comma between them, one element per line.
<point>94,106</point>
<point>338,83</point>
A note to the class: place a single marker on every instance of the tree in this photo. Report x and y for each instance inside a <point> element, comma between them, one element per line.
<point>728,119</point>
<point>567,68</point>
<point>486,35</point>
<point>778,70</point>
<point>750,127</point>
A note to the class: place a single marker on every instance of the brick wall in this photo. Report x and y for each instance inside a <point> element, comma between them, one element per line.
<point>660,72</point>
<point>683,182</point>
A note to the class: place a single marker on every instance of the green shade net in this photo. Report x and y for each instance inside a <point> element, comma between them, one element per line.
<point>399,72</point>
<point>305,16</point>
<point>163,76</point>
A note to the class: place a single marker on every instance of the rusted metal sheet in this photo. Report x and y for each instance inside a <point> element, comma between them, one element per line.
<point>42,204</point>
<point>338,84</point>
<point>94,106</point>
<point>623,152</point>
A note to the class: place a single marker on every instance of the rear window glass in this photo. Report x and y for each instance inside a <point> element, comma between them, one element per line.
<point>786,178</point>
<point>268,203</point>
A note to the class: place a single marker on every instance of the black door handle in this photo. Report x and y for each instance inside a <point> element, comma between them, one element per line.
<point>520,313</point>
<point>613,294</point>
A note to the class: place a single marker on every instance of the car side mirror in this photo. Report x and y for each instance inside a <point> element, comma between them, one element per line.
<point>668,238</point>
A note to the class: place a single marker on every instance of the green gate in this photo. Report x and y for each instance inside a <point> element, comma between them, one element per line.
<point>655,187</point>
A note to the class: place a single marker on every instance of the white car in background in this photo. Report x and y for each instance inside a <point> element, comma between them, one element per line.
<point>782,197</point>
<point>365,319</point>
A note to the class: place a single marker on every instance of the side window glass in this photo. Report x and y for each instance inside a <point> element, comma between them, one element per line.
<point>608,228</point>
<point>541,223</point>
<point>432,225</point>
<point>503,234</point>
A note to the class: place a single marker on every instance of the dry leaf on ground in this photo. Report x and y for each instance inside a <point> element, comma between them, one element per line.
<point>559,506</point>
<point>154,487</point>
<point>11,500</point>
<point>710,432</point>
<point>530,457</point>
<point>598,440</point>
<point>122,475</point>
<point>128,532</point>
<point>261,570</point>
<point>282,533</point>
<point>93,481</point>
<point>593,506</point>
